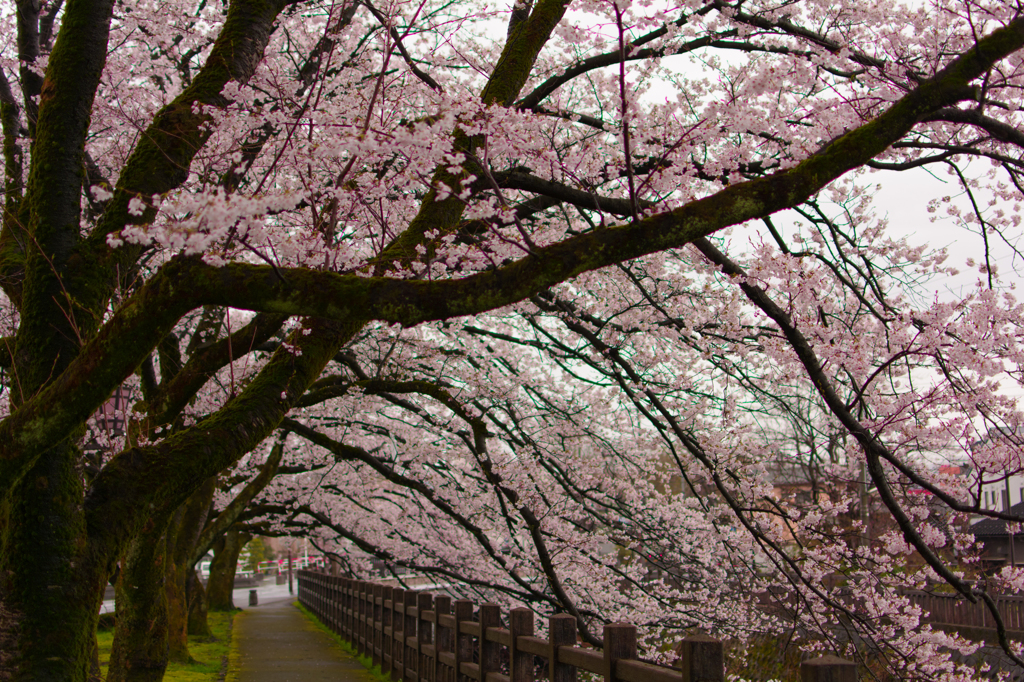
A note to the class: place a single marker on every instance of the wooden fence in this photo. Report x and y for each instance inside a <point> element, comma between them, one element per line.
<point>953,609</point>
<point>419,637</point>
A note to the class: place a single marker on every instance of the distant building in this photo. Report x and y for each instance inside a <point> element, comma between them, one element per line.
<point>995,540</point>
<point>995,491</point>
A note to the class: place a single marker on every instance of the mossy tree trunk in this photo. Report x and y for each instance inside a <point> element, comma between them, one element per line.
<point>183,533</point>
<point>139,652</point>
<point>152,608</point>
<point>50,590</point>
<point>198,606</point>
<point>222,569</point>
<point>95,673</point>
<point>174,590</point>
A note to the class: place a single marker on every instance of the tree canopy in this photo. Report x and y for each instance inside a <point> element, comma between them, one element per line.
<point>548,299</point>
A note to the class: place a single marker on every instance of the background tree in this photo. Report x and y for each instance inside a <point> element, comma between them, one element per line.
<point>257,554</point>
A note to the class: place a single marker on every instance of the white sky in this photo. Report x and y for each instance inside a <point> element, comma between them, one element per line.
<point>904,199</point>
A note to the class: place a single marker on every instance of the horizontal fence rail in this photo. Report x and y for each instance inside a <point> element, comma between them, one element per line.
<point>953,609</point>
<point>419,637</point>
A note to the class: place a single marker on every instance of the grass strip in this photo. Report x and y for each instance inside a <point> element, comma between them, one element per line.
<point>209,654</point>
<point>373,671</point>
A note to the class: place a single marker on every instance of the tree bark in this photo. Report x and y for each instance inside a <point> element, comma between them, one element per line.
<point>95,674</point>
<point>174,589</point>
<point>140,652</point>
<point>198,606</point>
<point>50,592</point>
<point>222,569</point>
<point>182,535</point>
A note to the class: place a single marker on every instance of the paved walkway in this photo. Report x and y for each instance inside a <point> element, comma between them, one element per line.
<point>274,642</point>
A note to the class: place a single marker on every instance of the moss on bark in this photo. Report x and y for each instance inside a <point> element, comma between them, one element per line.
<point>198,606</point>
<point>48,585</point>
<point>139,652</point>
<point>222,569</point>
<point>183,532</point>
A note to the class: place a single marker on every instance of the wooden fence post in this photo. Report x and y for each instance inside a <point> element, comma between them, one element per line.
<point>353,613</point>
<point>561,632</point>
<point>397,633</point>
<point>373,620</point>
<point>619,644</point>
<point>490,659</point>
<point>409,632</point>
<point>442,638</point>
<point>702,659</point>
<point>378,625</point>
<point>330,612</point>
<point>364,617</point>
<point>350,611</point>
<point>520,664</point>
<point>336,604</point>
<point>424,633</point>
<point>343,608</point>
<point>325,600</point>
<point>828,669</point>
<point>311,592</point>
<point>463,644</point>
<point>356,603</point>
<point>387,641</point>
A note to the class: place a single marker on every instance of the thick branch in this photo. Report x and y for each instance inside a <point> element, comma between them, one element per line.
<point>49,328</point>
<point>28,12</point>
<point>173,395</point>
<point>997,129</point>
<point>506,81</point>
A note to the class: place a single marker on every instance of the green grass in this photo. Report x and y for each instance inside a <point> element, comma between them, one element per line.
<point>374,673</point>
<point>208,654</point>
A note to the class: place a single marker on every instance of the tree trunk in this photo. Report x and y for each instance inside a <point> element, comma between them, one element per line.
<point>140,652</point>
<point>182,535</point>
<point>95,674</point>
<point>174,589</point>
<point>222,569</point>
<point>50,591</point>
<point>198,607</point>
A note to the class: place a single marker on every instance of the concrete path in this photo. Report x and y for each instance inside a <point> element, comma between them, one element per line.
<point>274,642</point>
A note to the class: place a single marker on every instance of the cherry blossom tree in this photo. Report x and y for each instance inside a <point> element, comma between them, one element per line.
<point>483,255</point>
<point>626,476</point>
